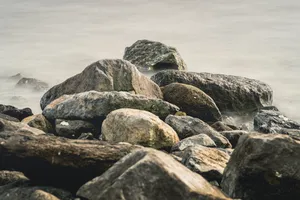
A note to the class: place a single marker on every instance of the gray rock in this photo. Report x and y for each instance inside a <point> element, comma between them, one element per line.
<point>105,75</point>
<point>40,122</point>
<point>17,127</point>
<point>33,84</point>
<point>263,166</point>
<point>192,101</point>
<point>86,136</point>
<point>91,105</point>
<point>7,177</point>
<point>149,174</point>
<point>9,118</point>
<point>12,111</point>
<point>200,139</point>
<point>187,126</point>
<point>220,126</point>
<point>138,127</point>
<point>74,128</point>
<point>16,77</point>
<point>233,136</point>
<point>232,94</point>
<point>151,55</point>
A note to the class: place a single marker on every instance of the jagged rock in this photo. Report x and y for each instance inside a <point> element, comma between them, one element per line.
<point>151,55</point>
<point>32,83</point>
<point>186,126</point>
<point>200,139</point>
<point>74,128</point>
<point>272,121</point>
<point>12,111</point>
<point>149,174</point>
<point>91,105</point>
<point>192,101</point>
<point>138,127</point>
<point>9,118</point>
<point>233,136</point>
<point>7,177</point>
<point>105,75</point>
<point>232,94</point>
<point>17,127</point>
<point>220,126</point>
<point>57,161</point>
<point>40,122</point>
<point>263,166</point>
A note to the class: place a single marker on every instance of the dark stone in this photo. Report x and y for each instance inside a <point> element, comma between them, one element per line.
<point>233,136</point>
<point>9,118</point>
<point>12,111</point>
<point>220,126</point>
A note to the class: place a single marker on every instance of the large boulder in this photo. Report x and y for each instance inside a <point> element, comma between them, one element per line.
<point>138,127</point>
<point>232,94</point>
<point>263,166</point>
<point>12,111</point>
<point>105,75</point>
<point>200,139</point>
<point>151,55</point>
<point>17,127</point>
<point>186,126</point>
<point>33,84</point>
<point>93,105</point>
<point>149,174</point>
<point>40,122</point>
<point>57,161</point>
<point>192,101</point>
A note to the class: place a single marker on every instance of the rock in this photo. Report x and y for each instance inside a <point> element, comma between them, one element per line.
<point>74,128</point>
<point>91,105</point>
<point>12,111</point>
<point>7,177</point>
<point>9,118</point>
<point>233,136</point>
<point>149,174</point>
<point>57,161</point>
<point>138,127</point>
<point>263,166</point>
<point>208,162</point>
<point>220,126</point>
<point>17,127</point>
<point>200,139</point>
<point>40,122</point>
<point>151,55</point>
<point>186,126</point>
<point>192,101</point>
<point>105,75</point>
<point>86,136</point>
<point>232,94</point>
<point>272,121</point>
<point>32,83</point>
<point>16,77</point>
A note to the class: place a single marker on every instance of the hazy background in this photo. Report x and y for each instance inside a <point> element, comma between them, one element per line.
<point>54,39</point>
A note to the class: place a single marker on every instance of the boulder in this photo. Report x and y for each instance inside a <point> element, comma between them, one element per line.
<point>7,177</point>
<point>220,126</point>
<point>74,128</point>
<point>138,127</point>
<point>92,105</point>
<point>232,94</point>
<point>57,161</point>
<point>151,55</point>
<point>9,118</point>
<point>40,122</point>
<point>12,111</point>
<point>149,174</point>
<point>263,166</point>
<point>17,127</point>
<point>186,126</point>
<point>201,139</point>
<point>33,84</point>
<point>105,75</point>
<point>233,136</point>
<point>192,101</point>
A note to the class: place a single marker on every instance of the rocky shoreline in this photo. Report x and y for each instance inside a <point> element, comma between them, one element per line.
<point>110,132</point>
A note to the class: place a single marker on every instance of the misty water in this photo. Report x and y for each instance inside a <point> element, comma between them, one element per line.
<point>53,40</point>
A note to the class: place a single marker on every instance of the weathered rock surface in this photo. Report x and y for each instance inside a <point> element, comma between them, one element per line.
<point>220,126</point>
<point>151,55</point>
<point>40,122</point>
<point>201,139</point>
<point>105,75</point>
<point>74,128</point>
<point>232,94</point>
<point>192,101</point>
<point>33,84</point>
<point>9,118</point>
<point>7,177</point>
<point>186,126</point>
<point>233,136</point>
<point>138,127</point>
<point>149,175</point>
<point>17,127</point>
<point>272,121</point>
<point>91,105</point>
<point>12,111</point>
<point>263,166</point>
<point>57,161</point>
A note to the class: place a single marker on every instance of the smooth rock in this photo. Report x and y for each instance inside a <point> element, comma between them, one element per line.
<point>149,174</point>
<point>40,122</point>
<point>138,127</point>
<point>192,101</point>
<point>186,126</point>
<point>105,75</point>
<point>33,84</point>
<point>151,55</point>
<point>201,139</point>
<point>12,111</point>
<point>263,166</point>
<point>233,136</point>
